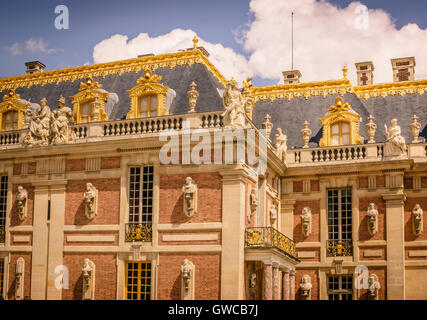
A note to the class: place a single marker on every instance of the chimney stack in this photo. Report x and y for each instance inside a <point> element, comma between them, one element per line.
<point>291,77</point>
<point>34,67</point>
<point>403,69</point>
<point>365,75</point>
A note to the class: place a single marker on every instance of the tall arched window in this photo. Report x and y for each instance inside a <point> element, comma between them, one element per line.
<point>340,133</point>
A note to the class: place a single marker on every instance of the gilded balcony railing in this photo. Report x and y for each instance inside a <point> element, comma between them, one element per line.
<point>138,232</point>
<point>268,237</point>
<point>339,248</point>
<point>2,234</point>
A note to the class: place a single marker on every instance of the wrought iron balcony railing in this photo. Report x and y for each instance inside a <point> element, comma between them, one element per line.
<point>2,234</point>
<point>268,237</point>
<point>339,248</point>
<point>139,232</point>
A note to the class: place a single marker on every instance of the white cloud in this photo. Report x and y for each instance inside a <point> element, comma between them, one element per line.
<point>325,38</point>
<point>34,45</point>
<point>119,47</point>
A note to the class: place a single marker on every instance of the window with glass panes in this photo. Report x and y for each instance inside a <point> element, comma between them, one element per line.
<point>86,111</point>
<point>141,194</point>
<point>340,133</point>
<point>339,214</point>
<point>340,287</point>
<point>148,106</point>
<point>10,120</point>
<point>138,280</point>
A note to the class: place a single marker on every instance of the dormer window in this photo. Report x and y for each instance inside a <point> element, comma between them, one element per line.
<point>340,133</point>
<point>340,125</point>
<point>10,120</point>
<point>148,106</point>
<point>89,102</point>
<point>148,98</point>
<point>12,112</point>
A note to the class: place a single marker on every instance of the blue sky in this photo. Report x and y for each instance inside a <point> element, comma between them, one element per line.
<point>93,21</point>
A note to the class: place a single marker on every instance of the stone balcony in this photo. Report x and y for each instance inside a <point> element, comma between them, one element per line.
<point>369,152</point>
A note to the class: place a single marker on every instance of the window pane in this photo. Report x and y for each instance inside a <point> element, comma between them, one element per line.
<point>335,140</point>
<point>335,128</point>
<point>153,103</point>
<point>345,127</point>
<point>346,139</point>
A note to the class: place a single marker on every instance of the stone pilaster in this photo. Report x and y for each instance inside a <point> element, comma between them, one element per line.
<point>267,288</point>
<point>276,284</point>
<point>233,228</point>
<point>395,230</point>
<point>292,285</point>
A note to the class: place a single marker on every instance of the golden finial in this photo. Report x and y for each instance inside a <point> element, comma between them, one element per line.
<point>195,41</point>
<point>344,72</point>
<point>11,93</point>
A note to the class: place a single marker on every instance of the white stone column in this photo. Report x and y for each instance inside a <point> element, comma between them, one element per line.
<point>56,238</point>
<point>40,243</point>
<point>233,229</point>
<point>292,285</point>
<point>395,230</point>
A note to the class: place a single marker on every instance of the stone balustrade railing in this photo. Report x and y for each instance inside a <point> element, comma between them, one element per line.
<point>84,132</point>
<point>348,153</point>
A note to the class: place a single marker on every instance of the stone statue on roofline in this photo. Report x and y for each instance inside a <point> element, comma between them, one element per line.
<point>39,125</point>
<point>61,119</point>
<point>395,145</point>
<point>234,104</point>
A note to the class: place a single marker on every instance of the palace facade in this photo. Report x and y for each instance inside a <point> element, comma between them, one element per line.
<point>116,183</point>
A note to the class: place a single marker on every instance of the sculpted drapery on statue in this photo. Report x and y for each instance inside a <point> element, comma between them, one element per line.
<point>189,191</point>
<point>61,119</point>
<point>21,200</point>
<point>395,144</point>
<point>234,114</point>
<point>49,127</point>
<point>39,125</point>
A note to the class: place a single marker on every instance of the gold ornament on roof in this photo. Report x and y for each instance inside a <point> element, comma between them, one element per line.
<point>149,78</point>
<point>344,72</point>
<point>195,41</point>
<point>339,106</point>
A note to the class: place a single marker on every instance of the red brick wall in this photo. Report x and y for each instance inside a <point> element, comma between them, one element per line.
<point>314,275</point>
<point>209,198</point>
<point>297,187</point>
<point>407,182</point>
<point>27,275</point>
<point>363,226</point>
<point>315,221</point>
<point>110,162</point>
<point>76,165</point>
<point>108,202</point>
<point>363,182</point>
<point>207,281</point>
<point>17,169</point>
<point>423,182</point>
<point>314,185</point>
<point>409,206</point>
<point>12,238</point>
<point>105,275</point>
<point>32,167</point>
<point>381,273</point>
<point>380,181</point>
<point>30,205</point>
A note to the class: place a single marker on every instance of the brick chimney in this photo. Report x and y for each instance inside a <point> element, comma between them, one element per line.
<point>34,67</point>
<point>403,69</point>
<point>291,77</point>
<point>365,75</point>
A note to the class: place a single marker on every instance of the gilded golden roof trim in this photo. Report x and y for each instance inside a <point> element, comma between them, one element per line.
<point>170,60</point>
<point>290,91</point>
<point>391,89</point>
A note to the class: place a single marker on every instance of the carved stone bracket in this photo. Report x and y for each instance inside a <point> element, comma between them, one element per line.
<point>187,280</point>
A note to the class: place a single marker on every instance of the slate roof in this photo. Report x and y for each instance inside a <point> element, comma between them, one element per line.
<point>178,78</point>
<point>291,114</point>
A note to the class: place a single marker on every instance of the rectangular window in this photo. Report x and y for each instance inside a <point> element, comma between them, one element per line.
<point>340,287</point>
<point>10,121</point>
<point>3,206</point>
<point>138,280</point>
<point>148,106</point>
<point>340,222</point>
<point>141,185</point>
<point>85,112</point>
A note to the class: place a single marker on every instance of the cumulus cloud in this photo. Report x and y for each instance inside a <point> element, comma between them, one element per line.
<point>34,45</point>
<point>326,38</point>
<point>117,47</point>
